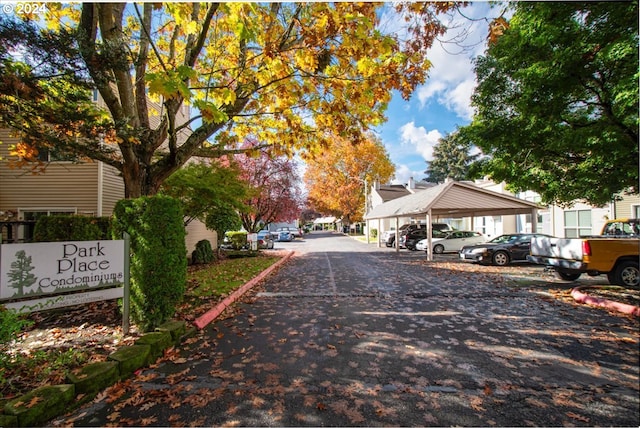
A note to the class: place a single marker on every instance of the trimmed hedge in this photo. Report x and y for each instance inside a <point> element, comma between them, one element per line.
<point>58,228</point>
<point>158,256</point>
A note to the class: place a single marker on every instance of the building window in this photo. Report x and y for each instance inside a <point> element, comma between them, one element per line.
<point>45,155</point>
<point>577,223</point>
<point>481,225</point>
<point>635,210</point>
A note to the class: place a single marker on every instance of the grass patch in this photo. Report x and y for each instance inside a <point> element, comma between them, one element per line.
<point>19,373</point>
<point>223,277</point>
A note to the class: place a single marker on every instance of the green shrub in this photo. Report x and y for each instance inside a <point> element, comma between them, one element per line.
<point>158,256</point>
<point>11,323</point>
<point>374,233</point>
<point>203,252</point>
<point>57,228</point>
<point>238,239</point>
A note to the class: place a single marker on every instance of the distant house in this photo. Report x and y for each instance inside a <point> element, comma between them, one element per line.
<point>86,188</point>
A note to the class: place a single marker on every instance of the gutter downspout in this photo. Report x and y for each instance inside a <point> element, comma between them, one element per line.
<point>100,189</point>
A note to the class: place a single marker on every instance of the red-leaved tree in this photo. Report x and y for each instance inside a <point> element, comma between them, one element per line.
<point>276,195</point>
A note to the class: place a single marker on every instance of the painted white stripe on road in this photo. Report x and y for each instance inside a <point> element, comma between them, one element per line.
<point>332,281</point>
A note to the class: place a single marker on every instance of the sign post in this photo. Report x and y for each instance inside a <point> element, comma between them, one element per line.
<point>126,292</point>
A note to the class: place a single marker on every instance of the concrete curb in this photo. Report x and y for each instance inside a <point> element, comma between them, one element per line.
<point>581,297</point>
<point>202,321</point>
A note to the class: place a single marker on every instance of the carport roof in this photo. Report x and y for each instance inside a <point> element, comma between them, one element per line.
<point>324,220</point>
<point>452,199</point>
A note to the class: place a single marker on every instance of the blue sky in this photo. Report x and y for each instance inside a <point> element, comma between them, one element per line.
<point>443,103</point>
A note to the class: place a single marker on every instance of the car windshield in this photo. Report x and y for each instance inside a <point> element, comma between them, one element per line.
<point>506,239</point>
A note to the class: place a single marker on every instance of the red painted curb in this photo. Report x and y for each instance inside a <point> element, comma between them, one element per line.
<point>581,297</point>
<point>202,321</point>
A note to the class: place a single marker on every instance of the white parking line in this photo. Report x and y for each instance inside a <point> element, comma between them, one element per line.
<point>332,281</point>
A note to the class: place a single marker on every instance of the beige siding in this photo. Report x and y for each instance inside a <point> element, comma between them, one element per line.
<point>625,207</point>
<point>112,189</point>
<point>196,231</point>
<point>63,185</point>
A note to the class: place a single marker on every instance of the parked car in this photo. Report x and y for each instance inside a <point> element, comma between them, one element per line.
<point>411,239</point>
<point>388,236</point>
<point>285,236</point>
<point>453,242</point>
<point>265,239</point>
<point>437,229</point>
<point>294,231</point>
<point>500,251</point>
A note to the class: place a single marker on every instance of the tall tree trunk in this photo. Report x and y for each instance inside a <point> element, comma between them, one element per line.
<point>139,181</point>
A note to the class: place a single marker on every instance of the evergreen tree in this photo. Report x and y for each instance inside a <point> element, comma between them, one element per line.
<point>451,159</point>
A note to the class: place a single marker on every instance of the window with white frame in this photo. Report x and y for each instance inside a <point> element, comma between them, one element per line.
<point>577,223</point>
<point>635,210</point>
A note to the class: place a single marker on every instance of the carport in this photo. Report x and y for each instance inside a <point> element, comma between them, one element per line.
<point>452,199</point>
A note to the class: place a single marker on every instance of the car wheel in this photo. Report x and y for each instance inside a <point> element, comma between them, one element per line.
<point>627,274</point>
<point>567,276</point>
<point>500,258</point>
<point>438,249</point>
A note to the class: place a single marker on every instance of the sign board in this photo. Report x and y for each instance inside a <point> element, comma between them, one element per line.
<point>48,275</point>
<point>252,239</point>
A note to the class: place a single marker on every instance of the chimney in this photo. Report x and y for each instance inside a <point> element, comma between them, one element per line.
<point>411,184</point>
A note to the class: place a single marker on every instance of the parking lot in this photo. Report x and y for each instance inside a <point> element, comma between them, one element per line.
<point>348,334</point>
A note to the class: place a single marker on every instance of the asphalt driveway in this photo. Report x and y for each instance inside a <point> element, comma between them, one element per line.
<point>347,334</point>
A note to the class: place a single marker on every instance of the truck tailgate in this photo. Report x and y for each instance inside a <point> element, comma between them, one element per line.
<point>557,248</point>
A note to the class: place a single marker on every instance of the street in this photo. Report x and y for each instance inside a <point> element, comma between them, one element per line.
<point>348,334</point>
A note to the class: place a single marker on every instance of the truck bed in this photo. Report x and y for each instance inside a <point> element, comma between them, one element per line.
<point>560,248</point>
<point>569,253</point>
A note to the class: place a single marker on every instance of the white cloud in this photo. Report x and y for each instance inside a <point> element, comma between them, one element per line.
<point>404,173</point>
<point>458,99</point>
<point>422,140</point>
<point>452,79</point>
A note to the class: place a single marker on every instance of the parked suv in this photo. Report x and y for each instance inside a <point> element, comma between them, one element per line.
<point>295,232</point>
<point>438,231</point>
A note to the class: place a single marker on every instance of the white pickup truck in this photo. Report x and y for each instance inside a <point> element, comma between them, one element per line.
<point>615,253</point>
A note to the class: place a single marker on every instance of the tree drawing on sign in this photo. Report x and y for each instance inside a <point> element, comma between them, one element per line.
<point>20,276</point>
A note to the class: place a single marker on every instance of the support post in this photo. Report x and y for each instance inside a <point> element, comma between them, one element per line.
<point>126,294</point>
<point>534,220</point>
<point>429,237</point>
<point>368,232</point>
<point>397,241</point>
